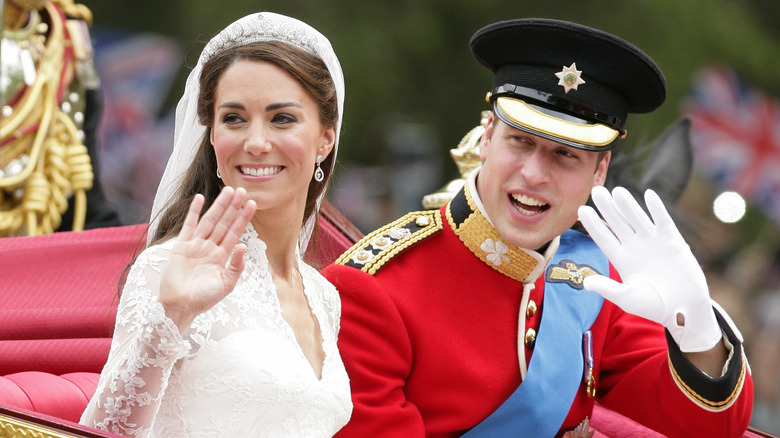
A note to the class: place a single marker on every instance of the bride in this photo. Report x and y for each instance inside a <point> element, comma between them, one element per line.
<point>222,329</point>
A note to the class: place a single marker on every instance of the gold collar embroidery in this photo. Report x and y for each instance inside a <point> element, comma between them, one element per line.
<point>483,240</point>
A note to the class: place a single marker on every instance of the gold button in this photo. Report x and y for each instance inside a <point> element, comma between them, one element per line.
<point>531,309</point>
<point>530,338</point>
<point>422,221</point>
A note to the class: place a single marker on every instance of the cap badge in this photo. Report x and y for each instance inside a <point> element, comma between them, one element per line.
<point>570,77</point>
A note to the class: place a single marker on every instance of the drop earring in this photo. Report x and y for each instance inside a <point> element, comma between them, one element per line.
<point>319,175</point>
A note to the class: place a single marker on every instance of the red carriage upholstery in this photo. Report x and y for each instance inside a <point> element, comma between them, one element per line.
<point>58,297</point>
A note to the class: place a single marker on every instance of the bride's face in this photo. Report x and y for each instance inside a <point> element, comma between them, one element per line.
<point>267,133</point>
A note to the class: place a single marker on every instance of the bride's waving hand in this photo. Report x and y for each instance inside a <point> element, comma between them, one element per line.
<point>207,258</point>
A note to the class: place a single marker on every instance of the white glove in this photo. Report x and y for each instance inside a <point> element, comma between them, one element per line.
<point>661,277</point>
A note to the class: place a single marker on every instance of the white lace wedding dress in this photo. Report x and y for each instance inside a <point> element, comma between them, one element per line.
<point>238,372</point>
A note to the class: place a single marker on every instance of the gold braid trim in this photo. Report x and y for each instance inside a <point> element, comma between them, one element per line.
<point>710,405</point>
<point>28,5</point>
<point>381,245</point>
<point>59,164</point>
<point>479,236</point>
<point>71,9</point>
<point>75,10</point>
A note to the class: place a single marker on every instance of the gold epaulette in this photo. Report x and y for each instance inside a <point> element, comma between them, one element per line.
<point>379,246</point>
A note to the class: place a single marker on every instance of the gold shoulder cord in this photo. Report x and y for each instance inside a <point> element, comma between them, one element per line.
<point>42,158</point>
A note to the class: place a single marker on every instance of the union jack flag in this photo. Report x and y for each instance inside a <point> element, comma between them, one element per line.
<point>735,131</point>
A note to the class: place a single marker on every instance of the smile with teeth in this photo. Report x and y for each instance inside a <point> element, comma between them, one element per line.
<point>263,171</point>
<point>527,205</point>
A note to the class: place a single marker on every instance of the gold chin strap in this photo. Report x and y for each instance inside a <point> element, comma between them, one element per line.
<point>591,135</point>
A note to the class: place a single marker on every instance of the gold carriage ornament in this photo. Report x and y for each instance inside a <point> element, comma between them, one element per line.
<point>46,59</point>
<point>466,157</point>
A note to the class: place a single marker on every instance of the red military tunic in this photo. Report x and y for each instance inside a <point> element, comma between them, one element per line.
<point>429,338</point>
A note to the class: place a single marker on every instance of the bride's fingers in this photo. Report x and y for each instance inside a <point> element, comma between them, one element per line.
<point>212,216</point>
<point>239,224</point>
<point>236,265</point>
<point>191,220</point>
<point>233,222</point>
<point>228,217</point>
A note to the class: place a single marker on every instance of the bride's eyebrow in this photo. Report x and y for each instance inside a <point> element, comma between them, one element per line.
<point>280,105</point>
<point>269,107</point>
<point>234,105</point>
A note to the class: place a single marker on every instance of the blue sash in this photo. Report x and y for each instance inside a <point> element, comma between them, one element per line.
<point>540,404</point>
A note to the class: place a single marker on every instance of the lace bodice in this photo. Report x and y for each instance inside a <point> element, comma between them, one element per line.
<point>238,371</point>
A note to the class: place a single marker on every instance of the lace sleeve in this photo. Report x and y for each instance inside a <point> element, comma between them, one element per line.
<point>145,346</point>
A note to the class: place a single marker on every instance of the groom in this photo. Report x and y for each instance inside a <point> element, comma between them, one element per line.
<point>497,315</point>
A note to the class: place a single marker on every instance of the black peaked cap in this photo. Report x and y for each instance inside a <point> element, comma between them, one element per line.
<point>619,77</point>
